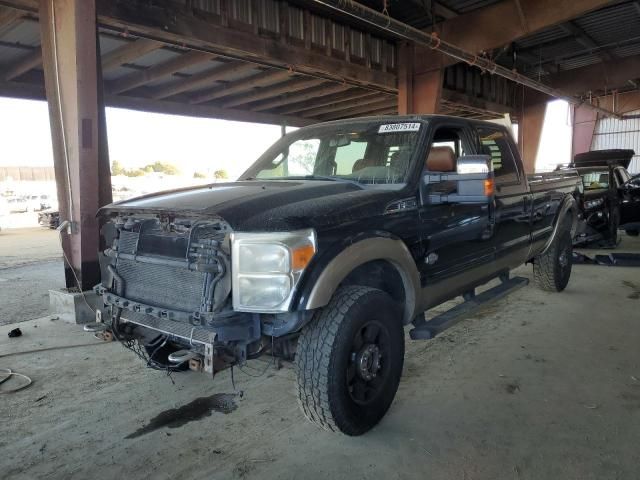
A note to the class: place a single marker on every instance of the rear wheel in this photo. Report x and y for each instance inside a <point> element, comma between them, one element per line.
<point>552,269</point>
<point>632,233</point>
<point>349,361</point>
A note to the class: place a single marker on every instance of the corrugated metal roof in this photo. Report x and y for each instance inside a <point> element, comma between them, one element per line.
<point>580,61</point>
<point>465,6</point>
<point>557,50</point>
<point>611,24</point>
<point>627,50</point>
<point>543,36</point>
<point>616,29</point>
<point>614,133</point>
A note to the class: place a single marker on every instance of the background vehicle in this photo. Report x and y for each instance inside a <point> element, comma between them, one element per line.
<point>48,202</point>
<point>18,205</point>
<point>33,202</point>
<point>610,199</point>
<point>334,240</point>
<point>49,218</point>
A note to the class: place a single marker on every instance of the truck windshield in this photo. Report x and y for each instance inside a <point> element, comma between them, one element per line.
<point>368,153</point>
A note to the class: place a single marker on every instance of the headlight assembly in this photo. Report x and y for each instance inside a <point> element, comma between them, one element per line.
<point>266,268</point>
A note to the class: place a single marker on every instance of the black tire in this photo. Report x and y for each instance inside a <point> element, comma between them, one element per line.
<point>632,233</point>
<point>333,389</point>
<point>552,270</point>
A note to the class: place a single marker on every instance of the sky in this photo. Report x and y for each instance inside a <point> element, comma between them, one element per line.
<point>139,138</point>
<point>555,141</point>
<point>195,144</point>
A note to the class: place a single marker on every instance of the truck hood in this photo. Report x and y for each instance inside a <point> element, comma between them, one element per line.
<point>266,205</point>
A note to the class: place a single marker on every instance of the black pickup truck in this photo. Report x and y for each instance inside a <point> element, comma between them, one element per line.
<point>326,247</point>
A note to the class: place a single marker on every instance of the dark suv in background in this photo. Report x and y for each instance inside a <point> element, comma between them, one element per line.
<point>610,198</point>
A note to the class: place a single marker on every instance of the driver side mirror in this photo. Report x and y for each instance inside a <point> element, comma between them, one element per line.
<point>472,183</point>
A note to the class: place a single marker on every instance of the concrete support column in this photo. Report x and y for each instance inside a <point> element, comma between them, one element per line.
<point>530,128</point>
<point>73,84</point>
<point>419,85</point>
<point>583,126</point>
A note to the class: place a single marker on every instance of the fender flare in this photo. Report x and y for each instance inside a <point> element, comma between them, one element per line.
<point>568,206</point>
<point>392,250</point>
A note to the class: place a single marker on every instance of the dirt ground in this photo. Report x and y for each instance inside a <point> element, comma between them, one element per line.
<point>535,386</point>
<point>30,265</point>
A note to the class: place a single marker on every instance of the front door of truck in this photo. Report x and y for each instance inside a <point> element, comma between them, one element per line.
<point>456,237</point>
<point>629,198</point>
<point>512,235</point>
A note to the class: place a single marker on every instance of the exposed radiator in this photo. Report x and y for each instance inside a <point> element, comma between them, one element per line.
<point>162,285</point>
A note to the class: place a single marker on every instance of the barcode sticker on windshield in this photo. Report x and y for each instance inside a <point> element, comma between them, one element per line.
<point>399,127</point>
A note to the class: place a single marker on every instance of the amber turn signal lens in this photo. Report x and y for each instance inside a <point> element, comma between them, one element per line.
<point>489,187</point>
<point>301,256</point>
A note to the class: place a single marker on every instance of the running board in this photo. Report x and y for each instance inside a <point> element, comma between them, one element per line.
<point>425,330</point>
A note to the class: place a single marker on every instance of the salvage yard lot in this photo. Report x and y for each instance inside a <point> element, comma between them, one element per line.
<point>535,386</point>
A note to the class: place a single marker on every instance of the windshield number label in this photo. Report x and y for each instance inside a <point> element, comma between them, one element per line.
<point>399,127</point>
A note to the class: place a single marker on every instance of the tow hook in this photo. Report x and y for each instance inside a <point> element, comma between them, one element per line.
<point>181,356</point>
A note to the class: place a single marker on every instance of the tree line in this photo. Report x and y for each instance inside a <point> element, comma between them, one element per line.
<point>160,167</point>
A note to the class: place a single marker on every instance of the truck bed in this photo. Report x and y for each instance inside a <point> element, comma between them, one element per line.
<point>557,180</point>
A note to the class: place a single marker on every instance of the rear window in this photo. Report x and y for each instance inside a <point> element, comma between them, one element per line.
<point>595,180</point>
<point>495,143</point>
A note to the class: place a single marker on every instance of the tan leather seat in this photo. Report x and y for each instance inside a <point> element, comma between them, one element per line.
<point>441,159</point>
<point>362,163</point>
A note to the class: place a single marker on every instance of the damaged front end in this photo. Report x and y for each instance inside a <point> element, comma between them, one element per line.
<point>166,291</point>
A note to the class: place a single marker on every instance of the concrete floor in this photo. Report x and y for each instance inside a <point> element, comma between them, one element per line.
<point>30,265</point>
<point>536,386</point>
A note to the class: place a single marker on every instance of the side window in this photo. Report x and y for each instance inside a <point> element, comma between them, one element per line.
<point>455,145</point>
<point>495,143</point>
<point>447,145</point>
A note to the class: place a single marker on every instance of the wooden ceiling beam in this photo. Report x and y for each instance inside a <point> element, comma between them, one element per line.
<point>325,101</point>
<point>366,113</point>
<point>171,23</point>
<point>260,80</point>
<point>271,92</point>
<point>454,97</point>
<point>336,106</point>
<point>128,53</point>
<point>9,18</point>
<point>363,109</point>
<point>37,92</point>
<point>203,79</point>
<point>161,70</point>
<point>24,64</point>
<point>302,96</point>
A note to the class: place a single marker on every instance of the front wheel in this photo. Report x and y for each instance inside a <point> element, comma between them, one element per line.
<point>349,360</point>
<point>552,269</point>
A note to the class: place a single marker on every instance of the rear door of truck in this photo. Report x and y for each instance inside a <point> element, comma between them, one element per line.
<point>512,229</point>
